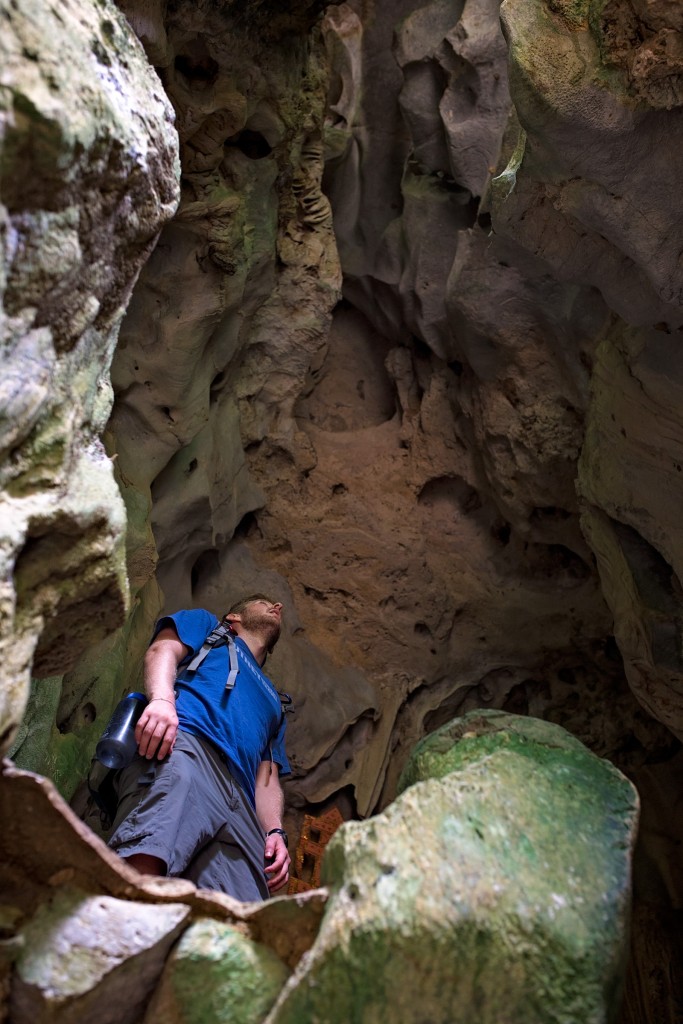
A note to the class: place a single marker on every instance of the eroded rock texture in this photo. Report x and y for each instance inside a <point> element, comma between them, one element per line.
<point>87,177</point>
<point>406,358</point>
<point>464,903</point>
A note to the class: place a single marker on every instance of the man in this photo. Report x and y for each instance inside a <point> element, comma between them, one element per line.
<point>203,799</point>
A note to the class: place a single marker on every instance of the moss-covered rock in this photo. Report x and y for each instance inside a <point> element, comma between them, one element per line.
<point>496,890</point>
<point>88,174</point>
<point>216,975</point>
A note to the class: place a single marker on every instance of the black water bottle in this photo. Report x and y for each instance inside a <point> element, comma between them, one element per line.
<point>117,747</point>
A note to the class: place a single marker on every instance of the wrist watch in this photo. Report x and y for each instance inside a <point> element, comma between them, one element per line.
<point>279,832</point>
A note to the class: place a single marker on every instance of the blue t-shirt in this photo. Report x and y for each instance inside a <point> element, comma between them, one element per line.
<point>245,723</point>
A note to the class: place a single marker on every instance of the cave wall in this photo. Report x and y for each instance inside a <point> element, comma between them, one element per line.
<point>406,357</point>
<point>345,378</point>
<point>88,175</point>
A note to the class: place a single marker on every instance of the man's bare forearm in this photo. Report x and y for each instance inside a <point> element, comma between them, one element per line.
<point>158,726</point>
<point>160,672</point>
<point>270,801</point>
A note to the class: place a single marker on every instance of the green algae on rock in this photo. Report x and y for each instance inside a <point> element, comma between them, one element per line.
<point>216,974</point>
<point>497,890</point>
<point>478,734</point>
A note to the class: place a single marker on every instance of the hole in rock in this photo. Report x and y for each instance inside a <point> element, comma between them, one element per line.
<point>543,514</point>
<point>517,702</point>
<point>191,466</point>
<point>502,533</point>
<point>206,566</point>
<point>351,388</point>
<point>88,713</point>
<point>247,526</point>
<point>422,629</point>
<point>456,367</point>
<point>216,386</point>
<point>453,491</point>
<point>552,559</point>
<point>251,143</point>
<point>199,68</point>
<point>652,574</point>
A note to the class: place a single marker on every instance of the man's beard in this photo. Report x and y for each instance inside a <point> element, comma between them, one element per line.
<point>256,620</point>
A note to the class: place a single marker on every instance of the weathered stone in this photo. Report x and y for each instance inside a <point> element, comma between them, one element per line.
<point>632,490</point>
<point>88,175</point>
<point>92,959</point>
<point>215,974</point>
<point>500,889</point>
<point>455,93</point>
<point>592,159</point>
<point>405,481</point>
<point>44,847</point>
<point>445,751</point>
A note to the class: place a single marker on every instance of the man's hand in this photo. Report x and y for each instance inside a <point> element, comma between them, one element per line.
<point>157,728</point>
<point>277,862</point>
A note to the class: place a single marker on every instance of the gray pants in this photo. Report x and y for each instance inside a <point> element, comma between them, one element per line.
<point>188,811</point>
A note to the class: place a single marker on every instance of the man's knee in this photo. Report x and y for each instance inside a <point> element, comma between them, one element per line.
<point>146,864</point>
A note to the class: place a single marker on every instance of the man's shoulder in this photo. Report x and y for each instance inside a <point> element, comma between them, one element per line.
<point>191,624</point>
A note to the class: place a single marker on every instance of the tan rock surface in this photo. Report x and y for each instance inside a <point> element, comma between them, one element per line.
<point>400,468</point>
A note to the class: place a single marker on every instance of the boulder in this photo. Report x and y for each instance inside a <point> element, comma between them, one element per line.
<point>91,959</point>
<point>217,975</point>
<point>495,889</point>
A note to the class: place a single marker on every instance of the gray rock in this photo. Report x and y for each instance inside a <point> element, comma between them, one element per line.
<point>498,891</point>
<point>88,175</point>
<point>216,975</point>
<point>92,959</point>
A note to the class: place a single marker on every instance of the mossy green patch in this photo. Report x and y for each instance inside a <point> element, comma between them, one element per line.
<point>494,888</point>
<point>477,734</point>
<point>219,975</point>
<point>575,12</point>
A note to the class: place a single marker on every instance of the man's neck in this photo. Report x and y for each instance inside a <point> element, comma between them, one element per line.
<point>255,643</point>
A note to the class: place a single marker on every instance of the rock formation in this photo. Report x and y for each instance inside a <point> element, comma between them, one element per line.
<point>87,178</point>
<point>467,899</point>
<point>499,881</point>
<point>406,357</point>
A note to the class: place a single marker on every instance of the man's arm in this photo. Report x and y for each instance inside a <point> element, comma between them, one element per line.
<point>158,725</point>
<point>270,803</point>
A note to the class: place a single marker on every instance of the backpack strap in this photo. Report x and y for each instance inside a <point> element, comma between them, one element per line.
<point>219,636</point>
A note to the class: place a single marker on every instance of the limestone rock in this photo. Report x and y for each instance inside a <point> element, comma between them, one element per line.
<point>44,847</point>
<point>88,177</point>
<point>400,467</point>
<point>92,959</point>
<point>592,158</point>
<point>446,751</point>
<point>498,890</point>
<point>215,974</point>
<point>569,204</point>
<point>455,95</point>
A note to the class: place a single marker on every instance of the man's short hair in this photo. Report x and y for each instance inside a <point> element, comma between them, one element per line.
<point>242,604</point>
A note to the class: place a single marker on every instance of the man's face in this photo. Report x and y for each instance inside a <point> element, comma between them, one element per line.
<point>264,617</point>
